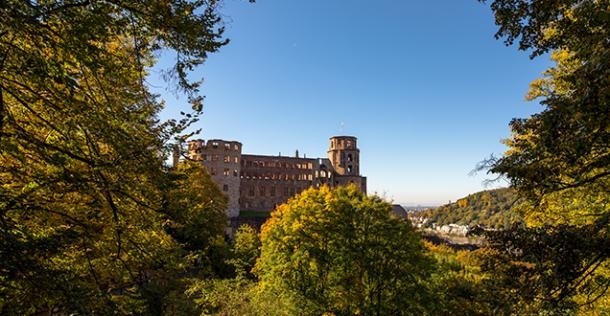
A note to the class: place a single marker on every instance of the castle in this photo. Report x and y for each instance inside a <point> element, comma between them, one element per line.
<point>258,183</point>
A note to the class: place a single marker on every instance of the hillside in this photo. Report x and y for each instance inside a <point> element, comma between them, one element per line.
<point>490,208</point>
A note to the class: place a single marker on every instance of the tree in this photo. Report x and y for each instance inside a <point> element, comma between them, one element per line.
<point>566,147</point>
<point>246,250</point>
<point>559,159</point>
<point>82,172</point>
<point>341,252</point>
<point>195,215</point>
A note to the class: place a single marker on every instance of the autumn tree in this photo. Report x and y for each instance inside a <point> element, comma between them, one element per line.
<point>83,181</point>
<point>559,159</point>
<point>236,295</point>
<point>341,252</point>
<point>246,250</point>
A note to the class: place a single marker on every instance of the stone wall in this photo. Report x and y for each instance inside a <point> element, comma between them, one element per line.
<point>267,181</point>
<point>259,183</point>
<point>222,159</point>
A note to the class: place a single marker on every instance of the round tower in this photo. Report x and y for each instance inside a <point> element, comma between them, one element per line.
<point>344,155</point>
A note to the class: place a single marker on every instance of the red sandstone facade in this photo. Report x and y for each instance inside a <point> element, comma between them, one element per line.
<point>259,183</point>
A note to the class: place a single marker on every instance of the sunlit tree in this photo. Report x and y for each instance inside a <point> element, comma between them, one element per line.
<point>341,252</point>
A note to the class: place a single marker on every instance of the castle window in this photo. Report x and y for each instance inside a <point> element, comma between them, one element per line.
<point>349,157</point>
<point>226,172</point>
<point>236,147</point>
<point>227,159</point>
<point>227,146</point>
<point>225,188</point>
<point>310,177</point>
<point>215,144</point>
<point>310,166</point>
<point>349,169</point>
<point>323,173</point>
<point>236,159</point>
<point>235,173</point>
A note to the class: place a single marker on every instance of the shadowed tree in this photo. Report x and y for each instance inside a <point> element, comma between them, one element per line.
<point>559,159</point>
<point>82,171</point>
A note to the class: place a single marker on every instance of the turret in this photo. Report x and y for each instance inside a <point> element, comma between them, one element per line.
<point>344,155</point>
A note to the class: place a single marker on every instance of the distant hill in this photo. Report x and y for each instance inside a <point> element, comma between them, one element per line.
<point>490,208</point>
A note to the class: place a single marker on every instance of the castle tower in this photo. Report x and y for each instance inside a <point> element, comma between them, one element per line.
<point>222,159</point>
<point>344,155</point>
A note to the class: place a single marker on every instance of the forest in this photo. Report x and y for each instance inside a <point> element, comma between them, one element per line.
<point>93,220</point>
<point>494,209</point>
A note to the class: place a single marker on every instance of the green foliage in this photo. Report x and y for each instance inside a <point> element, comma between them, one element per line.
<point>460,287</point>
<point>559,159</point>
<point>491,209</point>
<point>565,149</point>
<point>246,250</point>
<point>238,297</point>
<point>341,252</point>
<point>83,182</point>
<point>229,297</point>
<point>195,218</point>
<point>549,267</point>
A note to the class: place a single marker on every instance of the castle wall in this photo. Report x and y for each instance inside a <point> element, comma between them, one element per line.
<point>260,183</point>
<point>267,181</point>
<point>358,181</point>
<point>222,160</point>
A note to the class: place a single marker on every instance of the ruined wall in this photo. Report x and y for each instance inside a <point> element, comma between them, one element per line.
<point>260,183</point>
<point>358,181</point>
<point>267,181</point>
<point>222,161</point>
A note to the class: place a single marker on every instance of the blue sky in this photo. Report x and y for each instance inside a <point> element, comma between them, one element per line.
<point>424,86</point>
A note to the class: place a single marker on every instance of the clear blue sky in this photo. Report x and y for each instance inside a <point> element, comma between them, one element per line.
<point>424,86</point>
